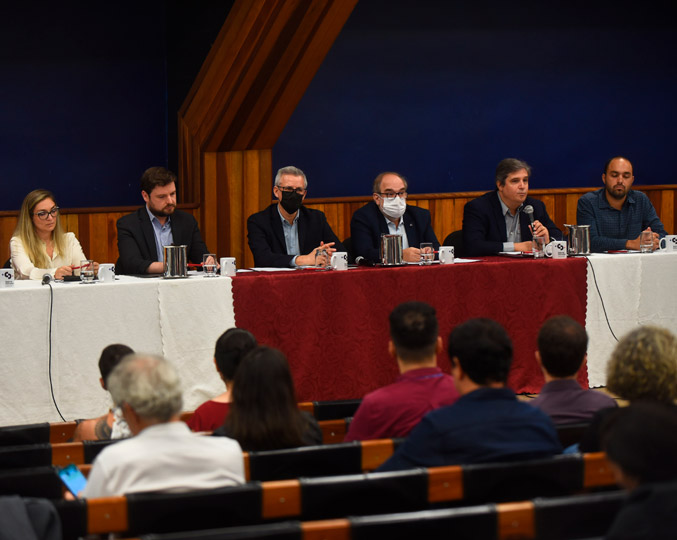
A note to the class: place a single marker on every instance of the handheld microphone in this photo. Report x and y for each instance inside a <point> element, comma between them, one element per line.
<point>529,211</point>
<point>361,261</point>
<point>46,279</point>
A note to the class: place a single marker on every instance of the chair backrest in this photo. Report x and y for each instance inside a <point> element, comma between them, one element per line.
<point>31,482</point>
<point>340,496</point>
<point>334,410</point>
<point>35,455</point>
<point>455,239</point>
<point>548,477</point>
<point>571,433</point>
<point>44,432</point>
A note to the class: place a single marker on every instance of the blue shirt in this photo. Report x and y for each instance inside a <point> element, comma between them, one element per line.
<point>486,425</point>
<point>398,229</point>
<point>611,228</point>
<point>291,236</point>
<point>512,225</point>
<point>163,234</point>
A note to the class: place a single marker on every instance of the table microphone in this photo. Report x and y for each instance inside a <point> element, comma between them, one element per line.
<point>46,279</point>
<point>529,211</point>
<point>361,261</point>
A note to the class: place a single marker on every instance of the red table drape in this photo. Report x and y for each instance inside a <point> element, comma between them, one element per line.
<point>333,326</point>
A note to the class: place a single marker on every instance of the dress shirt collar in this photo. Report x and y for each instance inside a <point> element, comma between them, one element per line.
<point>164,428</point>
<point>486,393</point>
<point>296,217</point>
<point>397,229</point>
<point>421,373</point>
<point>561,385</point>
<point>604,202</point>
<point>505,209</point>
<point>155,221</point>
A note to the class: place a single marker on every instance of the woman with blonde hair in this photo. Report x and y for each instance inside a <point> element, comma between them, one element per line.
<point>642,368</point>
<point>39,244</point>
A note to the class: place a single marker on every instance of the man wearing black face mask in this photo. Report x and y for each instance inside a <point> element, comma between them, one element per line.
<point>288,234</point>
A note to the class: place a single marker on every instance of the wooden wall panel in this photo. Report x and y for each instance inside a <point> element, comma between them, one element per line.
<point>223,220</point>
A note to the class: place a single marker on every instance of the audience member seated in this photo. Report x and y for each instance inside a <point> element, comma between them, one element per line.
<point>39,244</point>
<point>393,411</point>
<point>111,425</point>
<point>642,367</point>
<point>163,455</point>
<point>264,414</point>
<point>487,423</point>
<point>562,346</point>
<point>641,444</point>
<point>231,347</point>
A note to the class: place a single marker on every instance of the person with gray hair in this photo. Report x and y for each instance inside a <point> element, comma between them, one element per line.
<point>288,234</point>
<point>164,455</point>
<point>497,220</point>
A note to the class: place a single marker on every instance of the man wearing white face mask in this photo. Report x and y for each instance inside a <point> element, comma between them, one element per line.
<point>389,213</point>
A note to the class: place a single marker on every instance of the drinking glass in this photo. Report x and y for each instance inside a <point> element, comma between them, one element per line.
<point>537,246</point>
<point>87,271</point>
<point>646,242</point>
<point>427,253</point>
<point>209,264</point>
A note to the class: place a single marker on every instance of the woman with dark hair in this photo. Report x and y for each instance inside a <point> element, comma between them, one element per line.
<point>39,244</point>
<point>231,347</point>
<point>641,444</point>
<point>264,414</point>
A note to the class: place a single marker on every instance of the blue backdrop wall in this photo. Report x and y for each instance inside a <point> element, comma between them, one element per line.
<point>438,90</point>
<point>441,91</point>
<point>84,100</point>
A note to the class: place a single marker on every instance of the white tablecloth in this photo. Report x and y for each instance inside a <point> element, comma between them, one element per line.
<point>636,289</point>
<point>180,319</point>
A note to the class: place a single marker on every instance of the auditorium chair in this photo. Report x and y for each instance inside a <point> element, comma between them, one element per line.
<point>562,518</point>
<point>44,432</point>
<point>334,410</point>
<point>31,482</point>
<point>333,498</point>
<point>455,239</point>
<point>35,455</point>
<point>571,433</point>
<point>323,460</point>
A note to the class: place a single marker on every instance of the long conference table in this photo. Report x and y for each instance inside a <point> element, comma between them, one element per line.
<point>333,326</point>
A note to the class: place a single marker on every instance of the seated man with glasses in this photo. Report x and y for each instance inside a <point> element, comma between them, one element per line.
<point>288,234</point>
<point>389,213</point>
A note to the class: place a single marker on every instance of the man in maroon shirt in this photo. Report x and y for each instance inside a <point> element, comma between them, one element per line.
<point>392,411</point>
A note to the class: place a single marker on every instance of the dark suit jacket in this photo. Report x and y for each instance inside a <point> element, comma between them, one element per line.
<point>136,240</point>
<point>368,224</point>
<point>266,237</point>
<point>484,224</point>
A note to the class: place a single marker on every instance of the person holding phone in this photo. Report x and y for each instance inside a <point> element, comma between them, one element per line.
<point>39,244</point>
<point>163,455</point>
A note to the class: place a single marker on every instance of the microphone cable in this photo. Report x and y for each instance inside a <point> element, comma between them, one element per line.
<point>594,277</point>
<point>48,282</point>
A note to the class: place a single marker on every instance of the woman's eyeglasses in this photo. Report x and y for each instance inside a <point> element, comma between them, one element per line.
<point>42,214</point>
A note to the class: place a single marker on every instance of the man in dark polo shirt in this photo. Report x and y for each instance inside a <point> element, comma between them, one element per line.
<point>562,349</point>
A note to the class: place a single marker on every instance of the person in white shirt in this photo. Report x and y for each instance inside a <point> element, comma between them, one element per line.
<point>39,244</point>
<point>164,455</point>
